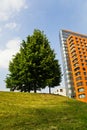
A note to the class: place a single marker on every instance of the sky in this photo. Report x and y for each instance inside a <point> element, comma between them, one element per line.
<point>19,18</point>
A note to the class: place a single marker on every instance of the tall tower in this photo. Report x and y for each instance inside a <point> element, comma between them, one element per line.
<point>74,55</point>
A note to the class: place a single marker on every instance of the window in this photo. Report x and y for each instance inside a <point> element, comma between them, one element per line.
<point>78,78</point>
<point>79,52</point>
<point>76,64</point>
<point>80,56</point>
<point>75,60</point>
<point>71,41</point>
<point>57,90</point>
<point>81,60</point>
<point>85,78</point>
<point>83,68</point>
<point>73,53</point>
<point>82,64</point>
<point>72,46</point>
<point>74,56</point>
<point>79,84</point>
<point>78,73</point>
<point>70,37</point>
<point>73,50</point>
<point>82,96</point>
<point>81,90</point>
<point>78,68</point>
<point>84,73</point>
<point>83,49</point>
<point>61,90</point>
<point>78,48</point>
<point>76,38</point>
<point>84,40</point>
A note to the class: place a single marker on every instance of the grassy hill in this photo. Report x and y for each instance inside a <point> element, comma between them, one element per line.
<point>24,111</point>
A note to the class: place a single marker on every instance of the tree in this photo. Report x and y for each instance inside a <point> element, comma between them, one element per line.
<point>35,66</point>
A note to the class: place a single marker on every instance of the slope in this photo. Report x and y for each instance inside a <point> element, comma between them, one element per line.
<point>24,111</point>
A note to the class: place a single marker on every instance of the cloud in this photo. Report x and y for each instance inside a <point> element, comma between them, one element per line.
<point>12,47</point>
<point>11,25</point>
<point>9,7</point>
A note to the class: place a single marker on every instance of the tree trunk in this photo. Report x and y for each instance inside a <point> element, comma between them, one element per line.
<point>29,88</point>
<point>35,89</point>
<point>49,89</point>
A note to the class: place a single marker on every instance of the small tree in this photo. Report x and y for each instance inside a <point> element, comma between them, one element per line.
<point>35,66</point>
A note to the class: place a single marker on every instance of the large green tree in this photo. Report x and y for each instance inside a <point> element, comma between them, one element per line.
<point>35,66</point>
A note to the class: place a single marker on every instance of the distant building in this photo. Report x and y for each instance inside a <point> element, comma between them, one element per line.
<point>74,55</point>
<point>60,91</point>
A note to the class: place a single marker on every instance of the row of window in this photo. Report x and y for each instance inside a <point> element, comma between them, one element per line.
<point>78,68</point>
<point>80,39</point>
<point>80,84</point>
<point>80,78</point>
<point>73,52</point>
<point>78,43</point>
<point>77,64</point>
<point>82,51</point>
<point>78,73</point>
<point>75,56</point>
<point>79,48</point>
<point>76,59</point>
<point>82,48</point>
<point>83,56</point>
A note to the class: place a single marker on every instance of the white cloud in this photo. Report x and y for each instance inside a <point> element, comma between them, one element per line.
<point>9,7</point>
<point>12,47</point>
<point>11,25</point>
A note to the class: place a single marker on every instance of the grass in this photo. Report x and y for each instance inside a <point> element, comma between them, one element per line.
<point>24,111</point>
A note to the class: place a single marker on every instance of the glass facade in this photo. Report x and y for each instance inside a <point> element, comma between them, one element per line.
<point>63,35</point>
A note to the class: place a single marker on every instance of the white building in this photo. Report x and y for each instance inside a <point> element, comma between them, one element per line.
<point>60,91</point>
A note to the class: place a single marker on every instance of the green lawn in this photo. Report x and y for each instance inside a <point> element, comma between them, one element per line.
<point>24,111</point>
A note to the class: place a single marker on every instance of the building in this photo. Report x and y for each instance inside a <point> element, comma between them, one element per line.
<point>60,91</point>
<point>74,54</point>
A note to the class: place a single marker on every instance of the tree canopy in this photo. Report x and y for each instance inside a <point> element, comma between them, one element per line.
<point>34,66</point>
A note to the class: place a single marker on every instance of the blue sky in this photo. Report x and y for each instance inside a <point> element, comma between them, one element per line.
<point>18,19</point>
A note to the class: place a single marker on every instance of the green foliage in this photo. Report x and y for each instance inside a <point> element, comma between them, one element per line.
<point>41,112</point>
<point>35,66</point>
